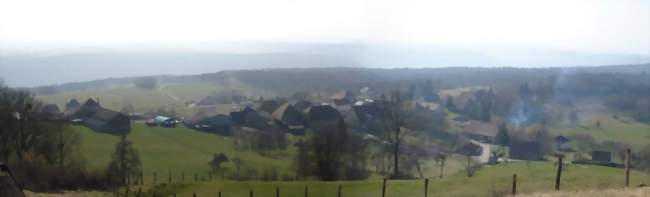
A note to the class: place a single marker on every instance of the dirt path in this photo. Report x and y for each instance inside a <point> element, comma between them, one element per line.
<point>169,94</point>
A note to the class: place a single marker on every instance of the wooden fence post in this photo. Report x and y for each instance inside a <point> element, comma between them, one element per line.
<point>383,189</point>
<point>141,178</point>
<point>514,184</point>
<point>442,165</point>
<point>155,177</point>
<point>306,191</point>
<point>196,177</point>
<point>628,161</point>
<point>339,194</point>
<point>426,187</point>
<point>219,193</point>
<point>277,191</point>
<point>126,192</point>
<point>174,195</point>
<point>139,192</point>
<point>559,172</point>
<point>170,177</point>
<point>251,193</point>
<point>193,194</point>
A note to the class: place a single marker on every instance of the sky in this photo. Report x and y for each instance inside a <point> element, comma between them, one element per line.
<point>607,26</point>
<point>383,33</point>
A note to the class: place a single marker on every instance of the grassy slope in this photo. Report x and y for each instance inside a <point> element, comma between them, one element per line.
<point>177,150</point>
<point>184,150</point>
<point>535,177</point>
<point>621,130</point>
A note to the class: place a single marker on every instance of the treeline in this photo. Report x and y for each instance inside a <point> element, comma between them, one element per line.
<point>44,153</point>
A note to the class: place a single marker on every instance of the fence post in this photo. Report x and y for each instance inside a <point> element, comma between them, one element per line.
<point>219,193</point>
<point>170,177</point>
<point>426,187</point>
<point>383,188</point>
<point>628,159</point>
<point>251,193</point>
<point>339,195</point>
<point>559,172</point>
<point>306,191</point>
<point>277,191</point>
<point>139,192</point>
<point>182,176</point>
<point>514,184</point>
<point>141,178</point>
<point>126,193</point>
<point>155,177</point>
<point>174,195</point>
<point>193,194</point>
<point>196,178</point>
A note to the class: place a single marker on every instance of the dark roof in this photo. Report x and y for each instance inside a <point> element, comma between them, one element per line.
<point>561,139</point>
<point>105,120</point>
<point>269,106</point>
<point>87,109</point>
<point>601,156</point>
<point>200,115</point>
<point>302,105</point>
<point>480,128</point>
<point>526,150</point>
<point>217,120</point>
<point>73,104</point>
<point>288,115</point>
<point>51,109</point>
<point>324,113</point>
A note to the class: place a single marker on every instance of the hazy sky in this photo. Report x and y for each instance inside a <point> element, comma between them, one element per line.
<point>604,26</point>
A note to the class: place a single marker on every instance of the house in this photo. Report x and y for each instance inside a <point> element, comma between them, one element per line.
<point>526,150</point>
<point>51,112</point>
<point>480,131</point>
<point>209,121</point>
<point>269,106</point>
<point>249,118</point>
<point>72,106</point>
<point>107,121</point>
<point>218,124</point>
<point>601,157</point>
<point>376,110</point>
<point>302,105</point>
<point>289,119</point>
<point>343,97</point>
<point>86,110</point>
<point>562,143</point>
<point>324,118</point>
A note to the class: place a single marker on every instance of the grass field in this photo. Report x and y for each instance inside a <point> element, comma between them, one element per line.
<point>184,150</point>
<point>532,177</point>
<point>622,129</point>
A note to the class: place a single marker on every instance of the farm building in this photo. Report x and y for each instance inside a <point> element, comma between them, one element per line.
<point>210,121</point>
<point>480,131</point>
<point>302,105</point>
<point>324,118</point>
<point>107,121</point>
<point>289,119</point>
<point>86,110</point>
<point>602,157</point>
<point>562,143</point>
<point>72,106</point>
<point>269,106</point>
<point>51,112</point>
<point>249,118</point>
<point>526,150</point>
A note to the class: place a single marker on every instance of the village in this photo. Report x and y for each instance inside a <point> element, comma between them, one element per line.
<point>482,141</point>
